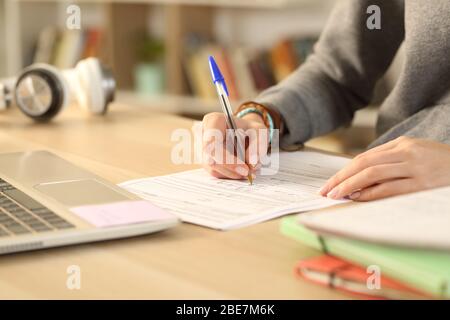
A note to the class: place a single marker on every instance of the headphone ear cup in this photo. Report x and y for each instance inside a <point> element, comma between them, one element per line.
<point>40,92</point>
<point>91,95</point>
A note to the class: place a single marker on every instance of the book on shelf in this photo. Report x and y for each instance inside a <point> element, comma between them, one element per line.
<point>245,85</point>
<point>284,59</point>
<point>64,48</point>
<point>224,60</point>
<point>46,44</point>
<point>198,75</point>
<point>69,49</point>
<point>93,43</point>
<point>248,71</point>
<point>262,71</point>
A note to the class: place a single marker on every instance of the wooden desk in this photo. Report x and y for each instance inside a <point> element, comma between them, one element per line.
<point>187,262</point>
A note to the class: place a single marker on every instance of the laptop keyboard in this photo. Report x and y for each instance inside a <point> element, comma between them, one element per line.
<point>20,214</point>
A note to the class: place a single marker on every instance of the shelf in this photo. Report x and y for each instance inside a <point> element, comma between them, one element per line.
<point>193,106</point>
<point>177,104</point>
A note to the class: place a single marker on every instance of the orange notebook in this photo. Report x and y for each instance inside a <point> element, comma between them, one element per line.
<point>344,276</point>
<point>283,59</point>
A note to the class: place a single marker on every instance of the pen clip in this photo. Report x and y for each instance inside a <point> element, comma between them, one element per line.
<point>224,85</point>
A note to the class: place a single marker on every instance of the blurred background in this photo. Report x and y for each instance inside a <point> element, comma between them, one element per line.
<point>158,50</point>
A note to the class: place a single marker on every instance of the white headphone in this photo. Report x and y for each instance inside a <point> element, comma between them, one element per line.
<point>41,91</point>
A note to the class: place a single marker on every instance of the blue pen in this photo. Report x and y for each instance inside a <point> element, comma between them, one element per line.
<point>222,91</point>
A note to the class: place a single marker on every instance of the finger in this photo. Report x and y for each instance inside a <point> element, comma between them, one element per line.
<point>263,142</point>
<point>211,140</point>
<point>357,165</point>
<point>214,120</point>
<point>212,151</point>
<point>221,151</point>
<point>255,168</point>
<point>258,148</point>
<point>238,144</point>
<point>384,190</point>
<point>383,147</point>
<point>213,126</point>
<point>219,175</point>
<point>214,173</point>
<point>207,160</point>
<point>240,123</point>
<point>368,177</point>
<point>217,120</point>
<point>252,152</point>
<point>223,155</point>
<point>221,170</point>
<point>230,174</point>
<point>230,163</point>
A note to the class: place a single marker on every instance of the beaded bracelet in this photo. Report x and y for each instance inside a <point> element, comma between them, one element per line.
<point>246,111</point>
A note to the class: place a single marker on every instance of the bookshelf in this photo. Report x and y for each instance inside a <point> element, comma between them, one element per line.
<point>183,105</point>
<point>24,18</point>
<point>228,22</point>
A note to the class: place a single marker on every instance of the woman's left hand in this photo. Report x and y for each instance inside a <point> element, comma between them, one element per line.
<point>400,166</point>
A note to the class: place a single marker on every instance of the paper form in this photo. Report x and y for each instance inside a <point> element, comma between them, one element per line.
<point>196,197</point>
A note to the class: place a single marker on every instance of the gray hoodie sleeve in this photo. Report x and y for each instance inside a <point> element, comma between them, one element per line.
<point>340,76</point>
<point>430,123</point>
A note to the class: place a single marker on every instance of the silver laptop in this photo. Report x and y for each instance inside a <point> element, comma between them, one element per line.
<point>46,201</point>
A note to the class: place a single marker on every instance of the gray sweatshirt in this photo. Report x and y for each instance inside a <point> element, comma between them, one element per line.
<point>339,78</point>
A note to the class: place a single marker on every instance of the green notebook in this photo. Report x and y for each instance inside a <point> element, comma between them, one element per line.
<point>425,270</point>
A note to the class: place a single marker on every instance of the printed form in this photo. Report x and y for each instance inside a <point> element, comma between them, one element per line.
<point>196,197</point>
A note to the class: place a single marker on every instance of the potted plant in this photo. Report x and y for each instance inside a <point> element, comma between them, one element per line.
<point>149,71</point>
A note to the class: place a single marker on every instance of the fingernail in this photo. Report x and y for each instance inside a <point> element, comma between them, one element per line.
<point>333,193</point>
<point>355,195</point>
<point>255,167</point>
<point>323,190</point>
<point>253,159</point>
<point>241,171</point>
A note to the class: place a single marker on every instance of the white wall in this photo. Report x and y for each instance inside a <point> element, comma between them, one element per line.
<point>258,27</point>
<point>263,27</point>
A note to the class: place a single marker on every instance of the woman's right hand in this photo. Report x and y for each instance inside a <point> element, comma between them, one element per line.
<point>223,163</point>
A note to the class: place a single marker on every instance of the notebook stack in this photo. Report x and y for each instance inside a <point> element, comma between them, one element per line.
<point>397,248</point>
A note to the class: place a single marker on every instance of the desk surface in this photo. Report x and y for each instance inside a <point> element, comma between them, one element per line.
<point>186,262</point>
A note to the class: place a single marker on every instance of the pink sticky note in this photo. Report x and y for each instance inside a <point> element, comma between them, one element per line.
<point>120,213</point>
